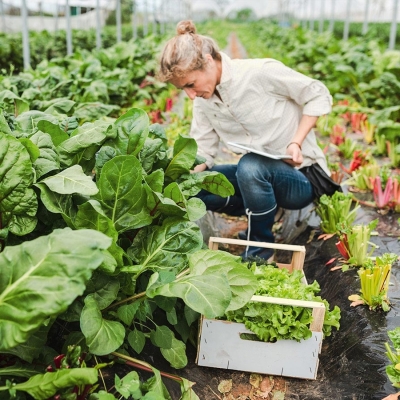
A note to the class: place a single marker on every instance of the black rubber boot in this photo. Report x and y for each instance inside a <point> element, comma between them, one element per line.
<point>260,227</point>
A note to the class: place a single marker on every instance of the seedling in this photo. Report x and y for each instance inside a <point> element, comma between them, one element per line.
<point>334,210</point>
<point>354,243</point>
<point>364,176</point>
<point>382,197</point>
<point>368,131</point>
<point>393,370</point>
<point>374,280</point>
<point>349,148</point>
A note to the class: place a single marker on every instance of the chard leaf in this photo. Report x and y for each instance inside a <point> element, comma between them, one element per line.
<point>152,151</point>
<point>54,131</point>
<point>27,122</point>
<point>94,111</point>
<point>184,155</point>
<point>176,354</point>
<point>129,385</point>
<point>122,195</point>
<point>42,277</point>
<point>71,180</point>
<point>44,386</point>
<point>48,157</point>
<point>137,340</point>
<point>4,125</point>
<point>162,337</point>
<point>132,129</point>
<point>207,294</point>
<point>187,391</point>
<point>18,202</point>
<point>58,203</point>
<point>32,149</point>
<point>127,312</point>
<point>102,336</point>
<point>84,142</point>
<point>31,349</point>
<point>155,180</point>
<point>212,181</point>
<point>168,244</point>
<point>195,209</point>
<point>242,281</point>
<point>20,370</point>
<point>60,106</point>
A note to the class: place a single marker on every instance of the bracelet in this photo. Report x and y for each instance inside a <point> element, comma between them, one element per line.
<point>298,144</point>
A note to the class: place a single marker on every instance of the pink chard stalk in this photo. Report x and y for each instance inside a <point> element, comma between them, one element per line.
<point>382,198</point>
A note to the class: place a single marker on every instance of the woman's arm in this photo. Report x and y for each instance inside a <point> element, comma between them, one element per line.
<point>293,148</point>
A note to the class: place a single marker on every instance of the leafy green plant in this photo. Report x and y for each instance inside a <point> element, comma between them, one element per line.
<point>362,178</point>
<point>272,322</point>
<point>374,279</point>
<point>354,243</point>
<point>393,370</point>
<point>151,270</point>
<point>336,209</point>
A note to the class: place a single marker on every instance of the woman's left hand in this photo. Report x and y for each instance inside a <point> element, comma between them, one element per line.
<point>294,150</point>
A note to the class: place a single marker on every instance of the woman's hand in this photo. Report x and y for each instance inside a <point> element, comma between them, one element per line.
<point>199,168</point>
<point>294,149</point>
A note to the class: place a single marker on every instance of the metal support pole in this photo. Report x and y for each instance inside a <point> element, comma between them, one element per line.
<point>118,20</point>
<point>332,19</point>
<point>393,28</point>
<point>305,14</point>
<point>145,19</point>
<point>366,12</point>
<point>134,20</point>
<point>25,36</point>
<point>3,17</point>
<point>69,32</point>
<point>56,17</point>
<point>98,25</point>
<point>154,18</point>
<point>321,17</point>
<point>347,22</point>
<point>312,14</point>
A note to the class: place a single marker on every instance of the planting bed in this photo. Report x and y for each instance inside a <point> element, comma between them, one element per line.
<point>352,360</point>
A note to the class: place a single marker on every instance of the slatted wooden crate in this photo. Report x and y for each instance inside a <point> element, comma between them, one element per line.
<point>221,346</point>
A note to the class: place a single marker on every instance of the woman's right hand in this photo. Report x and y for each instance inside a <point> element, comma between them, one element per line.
<point>199,168</point>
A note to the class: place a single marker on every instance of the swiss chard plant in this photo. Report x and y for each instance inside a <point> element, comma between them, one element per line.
<point>118,179</point>
<point>374,280</point>
<point>393,354</point>
<point>354,243</point>
<point>336,209</point>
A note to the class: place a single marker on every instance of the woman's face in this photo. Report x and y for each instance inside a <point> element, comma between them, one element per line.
<point>200,83</point>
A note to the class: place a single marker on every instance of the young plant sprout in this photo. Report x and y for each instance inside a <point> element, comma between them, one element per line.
<point>336,209</point>
<point>354,242</point>
<point>393,370</point>
<point>374,280</point>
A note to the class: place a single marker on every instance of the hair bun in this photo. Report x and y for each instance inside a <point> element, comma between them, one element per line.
<point>185,27</point>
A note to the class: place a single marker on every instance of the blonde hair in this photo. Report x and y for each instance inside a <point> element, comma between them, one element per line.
<point>186,52</point>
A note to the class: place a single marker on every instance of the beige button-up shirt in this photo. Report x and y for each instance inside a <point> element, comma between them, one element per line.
<point>262,104</point>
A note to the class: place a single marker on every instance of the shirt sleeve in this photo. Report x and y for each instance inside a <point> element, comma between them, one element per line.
<point>282,81</point>
<point>206,138</point>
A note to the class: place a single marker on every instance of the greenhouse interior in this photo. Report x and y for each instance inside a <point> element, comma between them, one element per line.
<point>199,199</point>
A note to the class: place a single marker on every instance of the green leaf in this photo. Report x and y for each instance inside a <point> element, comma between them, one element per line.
<point>137,340</point>
<point>184,155</point>
<point>168,244</point>
<point>176,355</point>
<point>32,149</point>
<point>132,130</point>
<point>127,312</point>
<point>84,143</point>
<point>43,386</point>
<point>162,337</point>
<point>48,157</point>
<point>129,385</point>
<point>102,336</point>
<point>242,281</point>
<point>71,180</point>
<point>40,278</point>
<point>122,195</point>
<point>55,132</point>
<point>18,202</point>
<point>187,391</point>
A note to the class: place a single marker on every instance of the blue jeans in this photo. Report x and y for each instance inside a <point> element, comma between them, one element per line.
<point>261,185</point>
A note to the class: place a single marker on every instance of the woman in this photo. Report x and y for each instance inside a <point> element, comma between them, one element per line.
<point>257,102</point>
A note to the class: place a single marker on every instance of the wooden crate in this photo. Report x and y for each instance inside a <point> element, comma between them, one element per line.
<point>221,346</point>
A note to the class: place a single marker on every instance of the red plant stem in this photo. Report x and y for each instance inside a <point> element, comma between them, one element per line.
<point>164,374</point>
